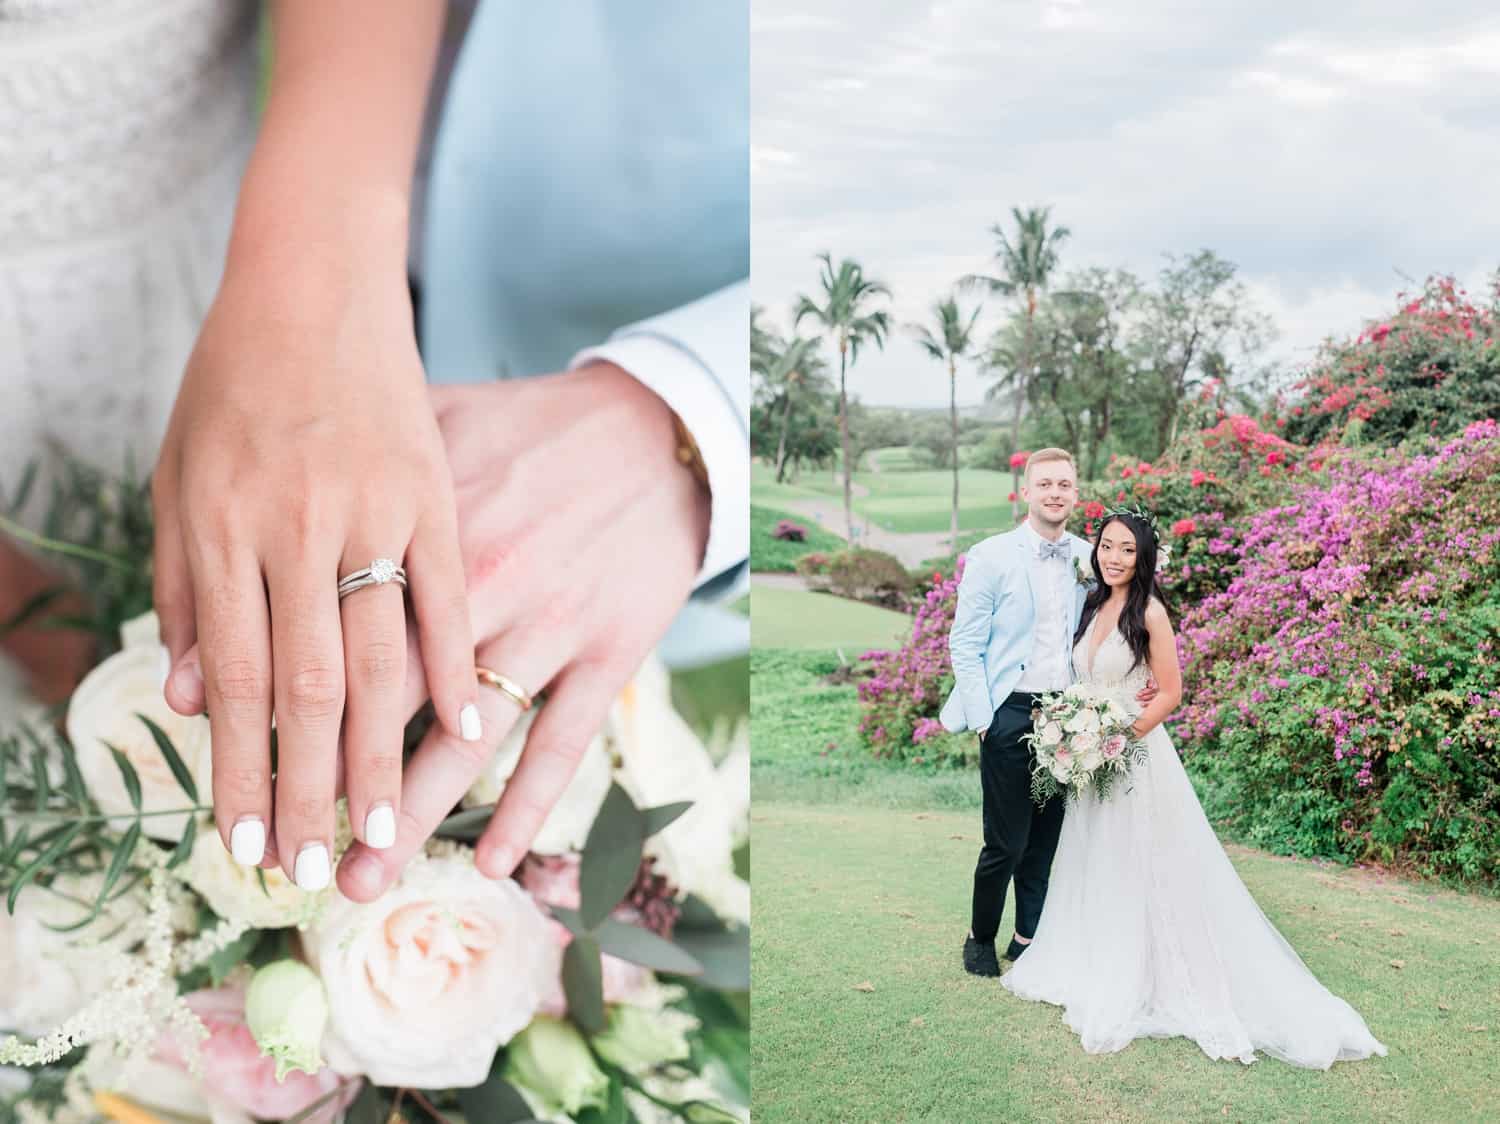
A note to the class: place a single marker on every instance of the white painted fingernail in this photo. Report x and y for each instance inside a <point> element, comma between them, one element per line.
<point>311,872</point>
<point>468,723</point>
<point>380,827</point>
<point>247,842</point>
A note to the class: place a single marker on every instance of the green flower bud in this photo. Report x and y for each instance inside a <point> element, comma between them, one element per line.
<point>551,1060</point>
<point>634,1038</point>
<point>286,1011</point>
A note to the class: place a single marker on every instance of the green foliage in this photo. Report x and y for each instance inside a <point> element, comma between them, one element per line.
<point>869,575</point>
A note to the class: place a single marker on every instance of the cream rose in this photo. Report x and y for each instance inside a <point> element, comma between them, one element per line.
<point>663,762</point>
<point>428,981</point>
<point>234,891</point>
<point>104,708</point>
<point>1051,733</point>
<point>45,975</point>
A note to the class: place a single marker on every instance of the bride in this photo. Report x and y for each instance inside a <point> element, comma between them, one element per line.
<point>1147,928</point>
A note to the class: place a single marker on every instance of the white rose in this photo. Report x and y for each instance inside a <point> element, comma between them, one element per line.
<point>567,825</point>
<point>663,762</point>
<point>1061,773</point>
<point>1051,733</point>
<point>104,708</point>
<point>1085,721</point>
<point>45,975</point>
<point>426,982</point>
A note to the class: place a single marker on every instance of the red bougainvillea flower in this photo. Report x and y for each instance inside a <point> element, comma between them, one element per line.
<point>1012,497</point>
<point>1088,528</point>
<point>1199,478</point>
<point>1120,495</point>
<point>1093,509</point>
<point>1184,527</point>
<point>1126,472</point>
<point>1018,460</point>
<point>1275,456</point>
<point>1143,468</point>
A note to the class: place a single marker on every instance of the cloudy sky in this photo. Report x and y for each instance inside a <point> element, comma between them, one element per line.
<point>1332,150</point>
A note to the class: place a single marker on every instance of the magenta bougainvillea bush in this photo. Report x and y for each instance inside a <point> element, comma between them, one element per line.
<point>1343,692</point>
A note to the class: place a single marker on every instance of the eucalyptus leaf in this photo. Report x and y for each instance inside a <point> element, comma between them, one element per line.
<point>174,760</point>
<point>117,864</point>
<point>642,946</point>
<point>724,955</point>
<point>663,814</point>
<point>611,856</point>
<point>128,773</point>
<point>467,825</point>
<point>569,919</point>
<point>583,983</point>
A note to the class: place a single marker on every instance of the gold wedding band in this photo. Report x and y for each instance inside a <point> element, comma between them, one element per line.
<point>504,683</point>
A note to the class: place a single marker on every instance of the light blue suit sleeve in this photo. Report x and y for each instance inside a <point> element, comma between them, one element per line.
<point>970,636</point>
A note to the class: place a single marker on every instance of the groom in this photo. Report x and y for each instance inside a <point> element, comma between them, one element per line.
<point>1019,604</point>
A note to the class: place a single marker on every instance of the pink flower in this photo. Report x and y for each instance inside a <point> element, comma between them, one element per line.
<point>237,1075</point>
<point>1018,460</point>
<point>1113,746</point>
<point>1184,527</point>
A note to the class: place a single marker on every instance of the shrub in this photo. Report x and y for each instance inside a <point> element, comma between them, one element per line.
<point>869,575</point>
<point>1343,693</point>
<point>787,531</point>
<point>906,687</point>
<point>813,565</point>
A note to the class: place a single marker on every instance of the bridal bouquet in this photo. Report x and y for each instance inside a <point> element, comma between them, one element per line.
<point>146,977</point>
<point>1082,740</point>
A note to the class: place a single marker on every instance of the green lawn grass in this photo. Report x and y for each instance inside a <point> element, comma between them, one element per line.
<point>863,876</point>
<point>904,499</point>
<point>769,554</point>
<point>793,618</point>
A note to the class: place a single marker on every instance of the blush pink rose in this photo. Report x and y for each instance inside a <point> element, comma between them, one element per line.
<point>552,880</point>
<point>237,1075</point>
<point>1113,746</point>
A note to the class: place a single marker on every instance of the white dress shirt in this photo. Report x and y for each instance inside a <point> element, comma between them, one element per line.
<point>1053,580</point>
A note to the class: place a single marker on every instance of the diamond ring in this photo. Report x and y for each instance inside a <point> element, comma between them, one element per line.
<point>378,572</point>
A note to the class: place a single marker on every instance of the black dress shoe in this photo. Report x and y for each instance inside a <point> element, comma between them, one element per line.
<point>979,958</point>
<point>1014,949</point>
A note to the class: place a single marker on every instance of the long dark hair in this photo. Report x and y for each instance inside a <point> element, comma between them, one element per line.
<point>1143,587</point>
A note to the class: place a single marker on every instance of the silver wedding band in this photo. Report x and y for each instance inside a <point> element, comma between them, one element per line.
<point>379,572</point>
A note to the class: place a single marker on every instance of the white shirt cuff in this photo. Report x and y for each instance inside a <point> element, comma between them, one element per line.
<point>694,395</point>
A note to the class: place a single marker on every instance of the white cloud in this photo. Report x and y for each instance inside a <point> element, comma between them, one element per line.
<point>1332,151</point>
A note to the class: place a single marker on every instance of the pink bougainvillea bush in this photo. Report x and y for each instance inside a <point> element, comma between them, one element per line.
<point>1430,367</point>
<point>1342,694</point>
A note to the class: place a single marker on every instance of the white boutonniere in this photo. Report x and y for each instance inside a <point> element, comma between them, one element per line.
<point>1085,580</point>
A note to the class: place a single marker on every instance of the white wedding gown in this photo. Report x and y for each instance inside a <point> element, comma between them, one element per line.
<point>1148,930</point>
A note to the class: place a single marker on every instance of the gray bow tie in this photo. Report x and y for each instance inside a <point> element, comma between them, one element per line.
<point>1053,550</point>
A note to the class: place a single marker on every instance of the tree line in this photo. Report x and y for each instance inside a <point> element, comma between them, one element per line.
<point>1096,360</point>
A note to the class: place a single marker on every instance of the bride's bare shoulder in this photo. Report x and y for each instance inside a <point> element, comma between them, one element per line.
<point>1156,615</point>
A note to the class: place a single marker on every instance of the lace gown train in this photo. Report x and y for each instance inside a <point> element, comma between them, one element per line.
<point>1148,930</point>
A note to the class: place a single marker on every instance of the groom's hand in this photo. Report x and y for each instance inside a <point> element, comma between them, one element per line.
<point>582,535</point>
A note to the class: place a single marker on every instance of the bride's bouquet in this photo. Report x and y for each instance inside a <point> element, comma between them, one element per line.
<point>1082,740</point>
<point>145,977</point>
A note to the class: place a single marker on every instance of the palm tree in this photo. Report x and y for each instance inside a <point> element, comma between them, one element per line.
<point>847,293</point>
<point>950,343</point>
<point>794,371</point>
<point>1027,261</point>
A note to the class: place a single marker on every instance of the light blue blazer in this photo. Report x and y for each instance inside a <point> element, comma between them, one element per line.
<point>994,626</point>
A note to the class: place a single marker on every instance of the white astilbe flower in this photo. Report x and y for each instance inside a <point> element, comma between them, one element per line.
<point>190,954</point>
<point>140,1002</point>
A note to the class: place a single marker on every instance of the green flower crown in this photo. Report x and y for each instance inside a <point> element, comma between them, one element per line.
<point>1137,511</point>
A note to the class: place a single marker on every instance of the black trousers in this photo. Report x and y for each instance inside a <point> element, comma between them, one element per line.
<point>1019,837</point>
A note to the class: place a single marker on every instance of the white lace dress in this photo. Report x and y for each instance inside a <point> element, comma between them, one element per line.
<point>1148,930</point>
<point>124,129</point>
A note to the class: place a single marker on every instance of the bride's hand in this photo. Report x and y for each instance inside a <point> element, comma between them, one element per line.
<point>302,446</point>
<point>1148,692</point>
<point>582,536</point>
